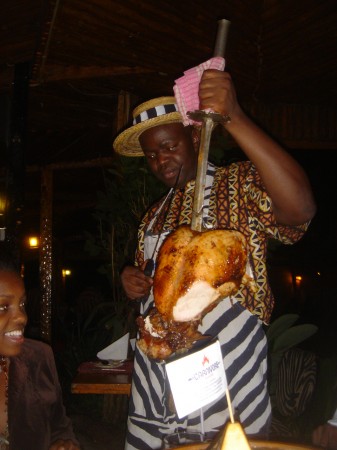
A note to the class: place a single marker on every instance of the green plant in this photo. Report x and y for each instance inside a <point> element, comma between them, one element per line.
<point>83,338</point>
<point>129,189</point>
<point>282,335</point>
<point>287,364</point>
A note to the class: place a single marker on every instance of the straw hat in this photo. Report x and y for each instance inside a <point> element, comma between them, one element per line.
<point>158,111</point>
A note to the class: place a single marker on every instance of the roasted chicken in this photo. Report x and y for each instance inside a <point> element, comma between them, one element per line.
<point>194,271</point>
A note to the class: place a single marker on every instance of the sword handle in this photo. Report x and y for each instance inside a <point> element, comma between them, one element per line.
<point>221,37</point>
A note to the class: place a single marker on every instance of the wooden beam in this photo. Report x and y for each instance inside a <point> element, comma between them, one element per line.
<point>123,109</point>
<point>298,125</point>
<point>55,72</point>
<point>91,163</point>
<point>46,36</point>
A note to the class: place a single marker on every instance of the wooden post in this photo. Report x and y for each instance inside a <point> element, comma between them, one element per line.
<point>123,109</point>
<point>46,252</point>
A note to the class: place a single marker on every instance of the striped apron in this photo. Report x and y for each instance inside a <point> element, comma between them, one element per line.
<point>244,350</point>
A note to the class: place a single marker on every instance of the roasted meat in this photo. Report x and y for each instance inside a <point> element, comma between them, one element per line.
<point>194,271</point>
<point>161,338</point>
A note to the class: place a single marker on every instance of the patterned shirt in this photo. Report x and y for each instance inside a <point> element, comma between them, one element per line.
<point>238,201</point>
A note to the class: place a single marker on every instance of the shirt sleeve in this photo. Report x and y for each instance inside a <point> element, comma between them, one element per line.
<point>260,210</point>
<point>61,425</point>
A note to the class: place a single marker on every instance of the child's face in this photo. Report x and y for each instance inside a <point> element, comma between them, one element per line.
<point>13,316</point>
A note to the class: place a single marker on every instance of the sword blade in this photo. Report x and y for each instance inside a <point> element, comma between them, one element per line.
<point>209,121</point>
<point>208,125</point>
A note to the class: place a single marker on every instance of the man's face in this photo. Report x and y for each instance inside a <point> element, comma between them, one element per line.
<point>169,148</point>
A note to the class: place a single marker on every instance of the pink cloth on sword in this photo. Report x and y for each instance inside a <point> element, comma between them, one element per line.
<point>186,87</point>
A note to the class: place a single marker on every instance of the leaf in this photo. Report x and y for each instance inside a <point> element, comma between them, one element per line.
<point>94,312</point>
<point>279,325</point>
<point>293,336</point>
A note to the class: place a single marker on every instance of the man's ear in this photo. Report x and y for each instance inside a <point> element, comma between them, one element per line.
<point>195,133</point>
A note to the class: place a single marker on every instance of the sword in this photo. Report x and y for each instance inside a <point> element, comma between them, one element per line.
<point>209,121</point>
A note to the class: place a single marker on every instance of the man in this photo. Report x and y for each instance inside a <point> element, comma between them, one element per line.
<point>268,196</point>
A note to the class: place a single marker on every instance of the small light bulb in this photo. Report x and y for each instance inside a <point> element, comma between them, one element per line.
<point>33,242</point>
<point>66,273</point>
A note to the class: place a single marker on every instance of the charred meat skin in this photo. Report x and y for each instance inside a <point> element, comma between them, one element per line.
<point>165,337</point>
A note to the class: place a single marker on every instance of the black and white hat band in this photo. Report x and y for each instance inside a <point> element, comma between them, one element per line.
<point>155,112</point>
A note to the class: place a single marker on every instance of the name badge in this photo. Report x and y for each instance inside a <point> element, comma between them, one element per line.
<point>197,379</point>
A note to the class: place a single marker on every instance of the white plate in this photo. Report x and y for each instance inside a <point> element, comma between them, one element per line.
<point>110,363</point>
